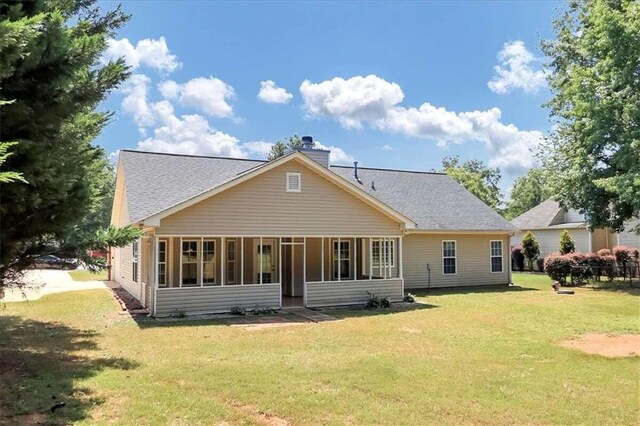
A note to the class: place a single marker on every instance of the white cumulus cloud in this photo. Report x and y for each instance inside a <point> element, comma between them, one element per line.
<point>209,95</point>
<point>261,148</point>
<point>135,102</point>
<point>337,154</point>
<point>518,69</point>
<point>272,94</point>
<point>152,53</point>
<point>375,102</point>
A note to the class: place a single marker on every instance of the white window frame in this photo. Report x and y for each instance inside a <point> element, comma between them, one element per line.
<point>383,253</point>
<point>455,256</point>
<point>214,262</point>
<point>230,262</point>
<point>298,177</point>
<point>491,256</point>
<point>135,252</point>
<point>182,262</point>
<point>165,263</point>
<point>339,241</point>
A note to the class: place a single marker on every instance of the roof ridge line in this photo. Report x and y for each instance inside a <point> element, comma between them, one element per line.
<point>193,155</point>
<point>393,170</point>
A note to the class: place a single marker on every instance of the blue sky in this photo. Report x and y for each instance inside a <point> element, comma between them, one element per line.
<point>395,85</point>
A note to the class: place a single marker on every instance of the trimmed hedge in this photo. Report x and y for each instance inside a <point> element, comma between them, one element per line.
<point>559,266</point>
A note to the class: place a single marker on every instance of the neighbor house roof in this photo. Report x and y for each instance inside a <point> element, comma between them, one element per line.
<point>542,216</point>
<point>155,182</point>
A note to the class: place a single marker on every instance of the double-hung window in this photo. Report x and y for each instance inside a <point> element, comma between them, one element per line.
<point>189,263</point>
<point>449,257</point>
<point>341,259</point>
<point>208,262</point>
<point>383,253</point>
<point>162,263</point>
<point>496,256</point>
<point>134,261</point>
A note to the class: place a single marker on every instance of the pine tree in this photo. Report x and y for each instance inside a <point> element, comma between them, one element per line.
<point>52,83</point>
<point>530,248</point>
<point>567,245</point>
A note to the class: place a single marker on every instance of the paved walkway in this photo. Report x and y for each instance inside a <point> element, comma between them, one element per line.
<point>47,281</point>
<point>310,314</point>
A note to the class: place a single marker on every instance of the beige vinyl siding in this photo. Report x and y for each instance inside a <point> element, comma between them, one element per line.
<point>600,239</point>
<point>333,293</point>
<point>549,239</point>
<point>216,299</point>
<point>573,216</point>
<point>262,206</point>
<point>473,264</point>
<point>629,239</point>
<point>124,278</point>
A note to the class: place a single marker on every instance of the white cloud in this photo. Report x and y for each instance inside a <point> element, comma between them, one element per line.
<point>337,155</point>
<point>113,157</point>
<point>188,134</point>
<point>519,69</point>
<point>387,148</point>
<point>152,53</point>
<point>374,102</point>
<point>258,147</point>
<point>209,95</point>
<point>272,94</point>
<point>169,89</point>
<point>135,102</point>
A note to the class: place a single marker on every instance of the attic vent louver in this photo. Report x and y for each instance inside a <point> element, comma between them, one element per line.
<point>293,182</point>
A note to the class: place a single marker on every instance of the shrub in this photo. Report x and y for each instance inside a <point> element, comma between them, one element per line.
<point>261,310</point>
<point>373,302</point>
<point>604,252</point>
<point>540,264</point>
<point>517,258</point>
<point>409,298</point>
<point>530,248</point>
<point>558,267</point>
<point>623,254</point>
<point>567,245</point>
<point>385,302</point>
<point>238,310</point>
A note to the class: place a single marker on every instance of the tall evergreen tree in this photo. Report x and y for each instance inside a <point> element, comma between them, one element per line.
<point>51,83</point>
<point>593,154</point>
<point>567,245</point>
<point>530,248</point>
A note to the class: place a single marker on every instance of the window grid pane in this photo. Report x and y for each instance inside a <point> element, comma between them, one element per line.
<point>496,256</point>
<point>448,257</point>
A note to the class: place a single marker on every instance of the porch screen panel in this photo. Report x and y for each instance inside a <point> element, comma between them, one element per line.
<point>209,262</point>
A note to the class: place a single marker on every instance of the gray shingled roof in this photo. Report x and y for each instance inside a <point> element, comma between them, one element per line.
<point>156,181</point>
<point>434,201</point>
<point>538,217</point>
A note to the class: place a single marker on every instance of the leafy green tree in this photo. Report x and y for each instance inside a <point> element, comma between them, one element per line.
<point>52,83</point>
<point>530,248</point>
<point>283,146</point>
<point>528,191</point>
<point>567,245</point>
<point>593,153</point>
<point>478,178</point>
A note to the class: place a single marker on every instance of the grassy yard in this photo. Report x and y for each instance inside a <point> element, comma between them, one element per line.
<point>468,357</point>
<point>84,275</point>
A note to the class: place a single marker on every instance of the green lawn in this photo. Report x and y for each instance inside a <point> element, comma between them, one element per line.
<point>84,275</point>
<point>469,357</point>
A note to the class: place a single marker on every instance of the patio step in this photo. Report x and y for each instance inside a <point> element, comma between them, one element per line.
<point>310,314</point>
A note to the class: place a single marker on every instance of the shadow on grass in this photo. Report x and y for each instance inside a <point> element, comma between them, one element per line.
<point>39,365</point>
<point>632,289</point>
<point>472,290</point>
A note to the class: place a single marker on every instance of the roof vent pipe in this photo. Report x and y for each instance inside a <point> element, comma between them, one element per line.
<point>307,142</point>
<point>355,172</point>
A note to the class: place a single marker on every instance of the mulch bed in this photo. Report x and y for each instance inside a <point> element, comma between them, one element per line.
<point>127,302</point>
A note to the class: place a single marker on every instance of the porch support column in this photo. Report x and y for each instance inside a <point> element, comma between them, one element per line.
<point>241,260</point>
<point>223,251</point>
<point>154,261</point>
<point>322,259</point>
<point>280,263</point>
<point>400,271</point>
<point>370,258</point>
<point>388,257</point>
<point>201,250</point>
<point>304,261</point>
<point>180,263</point>
<point>355,258</point>
<point>260,254</point>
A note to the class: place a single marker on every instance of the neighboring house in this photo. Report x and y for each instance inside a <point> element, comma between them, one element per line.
<point>223,232</point>
<point>548,219</point>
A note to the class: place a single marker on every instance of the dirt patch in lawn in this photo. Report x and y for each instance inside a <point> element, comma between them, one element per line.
<point>612,346</point>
